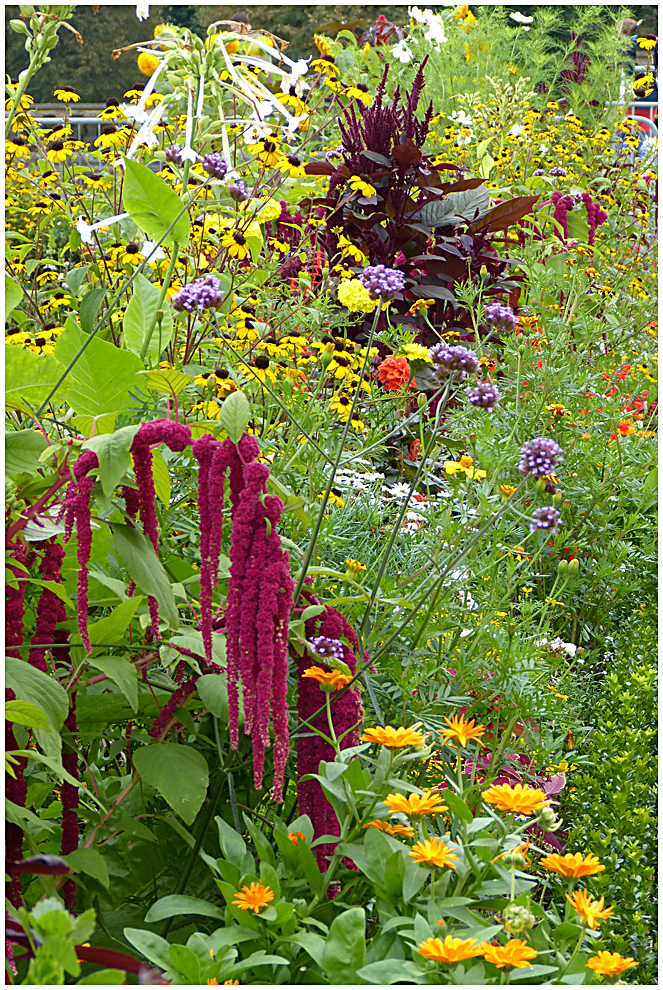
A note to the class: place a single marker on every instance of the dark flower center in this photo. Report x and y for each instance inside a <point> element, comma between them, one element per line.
<point>262,362</point>
<point>269,146</point>
<point>132,249</point>
<point>239,239</point>
<point>112,102</point>
<point>56,145</point>
<point>40,341</point>
<point>109,129</point>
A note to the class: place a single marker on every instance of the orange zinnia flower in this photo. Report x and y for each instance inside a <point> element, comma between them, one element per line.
<point>434,852</point>
<point>394,373</point>
<point>452,950</point>
<point>461,730</point>
<point>572,865</point>
<point>515,953</point>
<point>521,799</point>
<point>253,898</point>
<point>590,911</point>
<point>416,805</point>
<point>393,738</point>
<point>404,830</point>
<point>329,680</point>
<point>610,963</point>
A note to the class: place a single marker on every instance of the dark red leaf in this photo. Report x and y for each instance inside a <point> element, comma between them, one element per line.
<point>319,168</point>
<point>407,153</point>
<point>502,216</point>
<point>449,187</point>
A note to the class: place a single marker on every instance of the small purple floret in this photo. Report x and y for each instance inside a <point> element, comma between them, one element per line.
<point>545,519</point>
<point>485,396</point>
<point>204,293</point>
<point>540,457</point>
<point>215,165</point>
<point>382,282</point>
<point>453,361</point>
<point>174,154</point>
<point>500,316</point>
<point>237,191</point>
<point>325,647</point>
<point>558,170</point>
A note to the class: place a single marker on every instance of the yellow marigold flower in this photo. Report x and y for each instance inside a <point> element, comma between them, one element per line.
<point>354,567</point>
<point>147,63</point>
<point>507,490</point>
<point>270,210</point>
<point>515,954</point>
<point>66,94</point>
<point>466,465</point>
<point>433,852</point>
<point>572,864</point>
<point>415,352</point>
<point>521,799</point>
<point>452,950</point>
<point>329,680</point>
<point>420,304</point>
<point>393,738</point>
<point>558,409</point>
<point>462,730</point>
<point>610,964</point>
<point>404,830</point>
<point>355,296</point>
<point>357,184</point>
<point>591,912</point>
<point>416,805</point>
<point>253,898</point>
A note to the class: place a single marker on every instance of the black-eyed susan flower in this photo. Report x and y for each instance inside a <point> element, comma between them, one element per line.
<point>357,184</point>
<point>43,343</point>
<point>18,147</point>
<point>97,180</point>
<point>326,66</point>
<point>236,245</point>
<point>112,110</point>
<point>131,255</point>
<point>291,166</point>
<point>261,369</point>
<point>267,151</point>
<point>359,92</point>
<point>66,94</point>
<point>335,498</point>
<point>110,137</point>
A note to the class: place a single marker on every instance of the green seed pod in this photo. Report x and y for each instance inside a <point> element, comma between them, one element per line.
<point>19,27</point>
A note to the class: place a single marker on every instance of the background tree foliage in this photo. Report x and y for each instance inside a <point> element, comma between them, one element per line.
<point>92,72</point>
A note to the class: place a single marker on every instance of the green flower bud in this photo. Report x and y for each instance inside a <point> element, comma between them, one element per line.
<point>421,400</point>
<point>574,566</point>
<point>516,918</point>
<point>19,27</point>
<point>563,566</point>
<point>557,497</point>
<point>512,859</point>
<point>547,819</point>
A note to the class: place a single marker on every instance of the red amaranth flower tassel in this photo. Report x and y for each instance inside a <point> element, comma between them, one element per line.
<point>50,609</point>
<point>177,700</point>
<point>70,837</point>
<point>14,604</point>
<point>16,791</point>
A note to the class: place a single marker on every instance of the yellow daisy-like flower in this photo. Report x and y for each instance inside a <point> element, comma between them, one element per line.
<point>236,245</point>
<point>466,465</point>
<point>131,255</point>
<point>342,405</point>
<point>267,151</point>
<point>354,567</point>
<point>24,103</point>
<point>521,799</point>
<point>461,731</point>
<point>57,152</point>
<point>393,738</point>
<point>110,137</point>
<point>357,184</point>
<point>417,306</point>
<point>66,94</point>
<point>253,898</point>
<point>325,66</point>
<point>350,250</point>
<point>433,852</point>
<point>291,166</point>
<point>322,44</point>
<point>359,92</point>
<point>335,498</point>
<point>416,805</point>
<point>610,964</point>
<point>329,680</point>
<point>405,830</point>
<point>572,864</point>
<point>147,63</point>
<point>355,296</point>
<point>507,490</point>
<point>514,955</point>
<point>449,951</point>
<point>590,912</point>
<point>558,409</point>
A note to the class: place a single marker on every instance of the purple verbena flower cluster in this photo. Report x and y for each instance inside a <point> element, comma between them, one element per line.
<point>381,281</point>
<point>539,171</point>
<point>485,396</point>
<point>540,457</point>
<point>204,293</point>
<point>558,170</point>
<point>324,647</point>
<point>174,154</point>
<point>237,191</point>
<point>215,165</point>
<point>546,518</point>
<point>500,316</point>
<point>453,361</point>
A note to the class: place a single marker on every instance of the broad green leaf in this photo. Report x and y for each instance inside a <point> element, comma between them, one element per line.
<point>89,861</point>
<point>161,476</point>
<point>31,684</point>
<point>104,373</point>
<point>75,277</point>
<point>175,905</point>
<point>457,807</point>
<point>104,977</point>
<point>186,963</point>
<point>152,946</point>
<point>95,425</point>
<point>27,713</point>
<point>30,377</point>
<point>152,204</point>
<point>113,454</point>
<point>166,380</point>
<point>22,450</point>
<point>122,673</point>
<point>145,569</point>
<point>386,972</point>
<point>235,415</point>
<point>345,947</point>
<point>179,773</point>
<point>17,815</point>
<point>138,319</point>
<point>135,828</point>
<point>577,227</point>
<point>214,695</point>
<point>111,629</point>
<point>13,294</point>
<point>89,307</point>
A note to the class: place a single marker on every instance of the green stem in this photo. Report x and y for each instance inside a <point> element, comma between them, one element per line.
<point>162,295</point>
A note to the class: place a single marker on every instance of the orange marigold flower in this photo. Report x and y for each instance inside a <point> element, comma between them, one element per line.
<point>461,730</point>
<point>393,738</point>
<point>626,427</point>
<point>434,852</point>
<point>610,963</point>
<point>329,680</point>
<point>404,830</point>
<point>253,898</point>
<point>515,954</point>
<point>296,836</point>
<point>572,864</point>
<point>521,799</point>
<point>451,950</point>
<point>416,805</point>
<point>394,373</point>
<point>590,911</point>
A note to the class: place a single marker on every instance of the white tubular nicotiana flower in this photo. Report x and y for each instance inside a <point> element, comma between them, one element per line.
<point>86,230</point>
<point>188,154</point>
<point>146,133</point>
<point>138,112</point>
<point>152,251</point>
<point>402,52</point>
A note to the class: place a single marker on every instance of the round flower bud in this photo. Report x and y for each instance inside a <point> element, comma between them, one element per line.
<point>547,819</point>
<point>516,918</point>
<point>563,566</point>
<point>574,566</point>
<point>512,859</point>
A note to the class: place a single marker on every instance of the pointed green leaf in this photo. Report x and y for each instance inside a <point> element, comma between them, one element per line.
<point>113,454</point>
<point>89,861</point>
<point>13,294</point>
<point>104,373</point>
<point>152,204</point>
<point>122,673</point>
<point>89,307</point>
<point>179,773</point>
<point>161,476</point>
<point>175,905</point>
<point>235,415</point>
<point>22,450</point>
<point>166,380</point>
<point>145,569</point>
<point>26,713</point>
<point>139,316</point>
<point>30,377</point>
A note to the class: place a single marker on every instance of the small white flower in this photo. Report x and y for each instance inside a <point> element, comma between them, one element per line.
<point>543,148</point>
<point>146,133</point>
<point>85,229</point>
<point>402,53</point>
<point>152,251</point>
<point>520,18</point>
<point>558,644</point>
<point>516,130</point>
<point>142,11</point>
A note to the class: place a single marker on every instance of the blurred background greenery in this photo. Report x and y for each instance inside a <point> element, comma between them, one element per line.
<point>95,76</point>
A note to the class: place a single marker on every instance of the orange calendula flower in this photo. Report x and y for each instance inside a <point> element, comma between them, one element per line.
<point>461,730</point>
<point>253,898</point>
<point>404,830</point>
<point>296,836</point>
<point>610,963</point>
<point>393,738</point>
<point>590,911</point>
<point>572,865</point>
<point>451,950</point>
<point>329,680</point>
<point>515,954</point>
<point>433,852</point>
<point>416,805</point>
<point>521,799</point>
